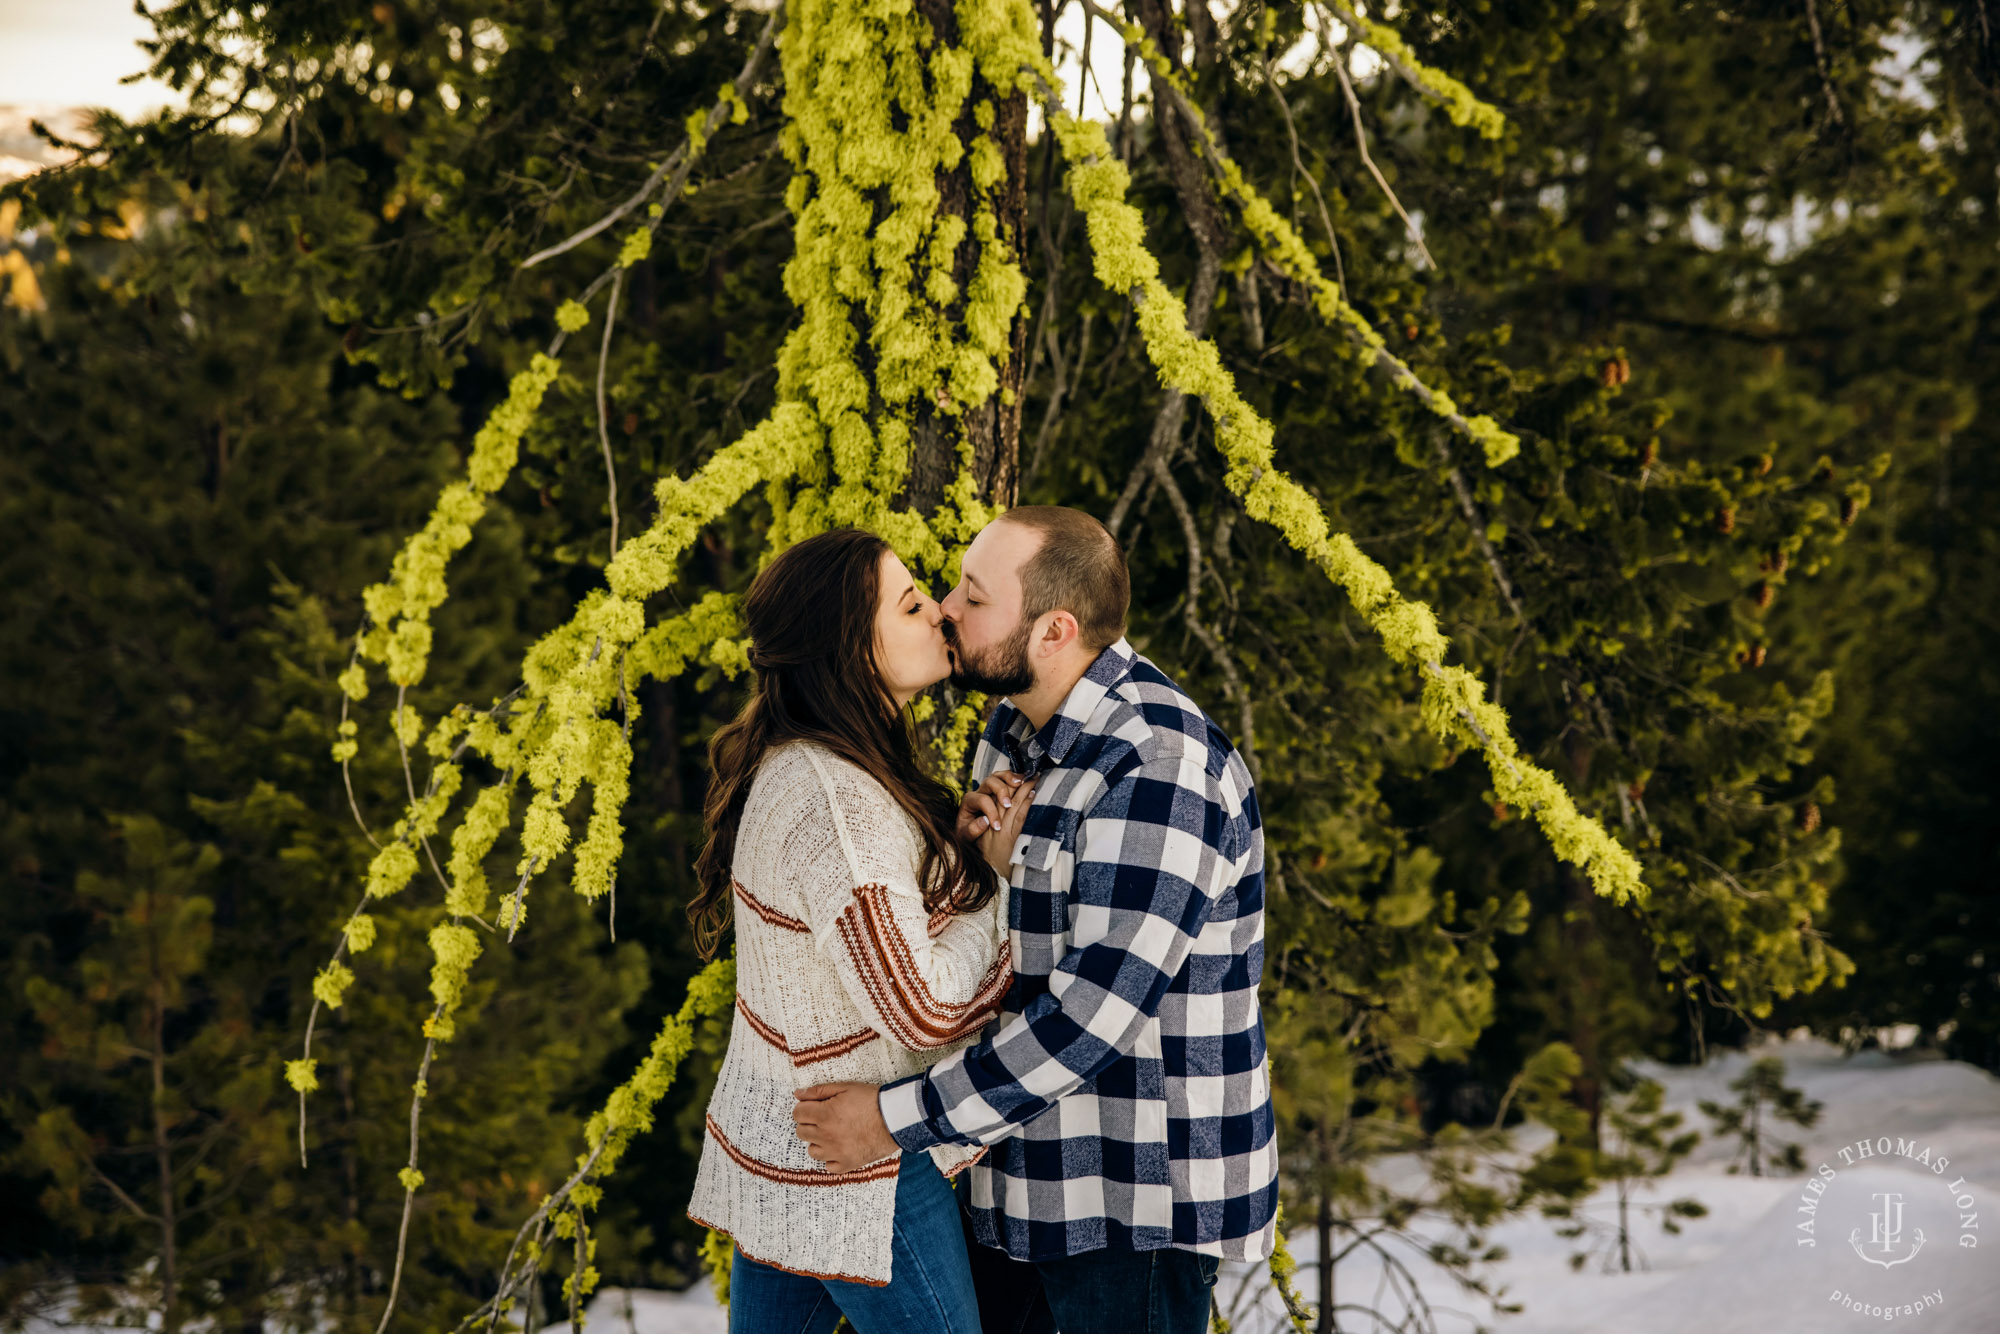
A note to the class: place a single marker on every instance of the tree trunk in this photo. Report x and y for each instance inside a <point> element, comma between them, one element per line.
<point>163,1159</point>
<point>1327,1324</point>
<point>994,427</point>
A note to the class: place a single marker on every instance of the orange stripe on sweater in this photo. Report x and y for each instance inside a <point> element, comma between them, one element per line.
<point>791,1176</point>
<point>803,1056</point>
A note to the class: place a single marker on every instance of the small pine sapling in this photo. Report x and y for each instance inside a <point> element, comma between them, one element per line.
<point>1763,1097</point>
<point>1640,1143</point>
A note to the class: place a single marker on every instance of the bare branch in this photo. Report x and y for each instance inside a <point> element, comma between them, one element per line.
<point>603,427</point>
<point>680,162</point>
<point>1819,58</point>
<point>409,1192</point>
<point>1361,141</point>
<point>1476,521</point>
<point>1299,169</point>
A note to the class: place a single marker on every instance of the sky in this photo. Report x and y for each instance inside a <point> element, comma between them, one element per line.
<point>58,55</point>
<point>64,53</point>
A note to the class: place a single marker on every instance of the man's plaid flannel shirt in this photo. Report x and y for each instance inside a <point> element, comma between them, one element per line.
<point>1123,1091</point>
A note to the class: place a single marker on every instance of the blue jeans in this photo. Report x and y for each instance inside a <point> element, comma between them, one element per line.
<point>930,1282</point>
<point>1098,1292</point>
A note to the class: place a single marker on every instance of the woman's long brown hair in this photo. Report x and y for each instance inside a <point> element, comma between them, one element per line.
<point>811,617</point>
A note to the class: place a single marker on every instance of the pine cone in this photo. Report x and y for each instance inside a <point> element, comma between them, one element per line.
<point>1650,454</point>
<point>1765,592</point>
<point>1809,817</point>
<point>1725,519</point>
<point>1849,507</point>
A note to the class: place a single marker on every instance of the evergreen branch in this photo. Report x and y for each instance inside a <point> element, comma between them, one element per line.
<point>344,748</point>
<point>1290,255</point>
<point>627,1112</point>
<point>1283,1267</point>
<point>1452,699</point>
<point>1205,225</point>
<point>358,930</point>
<point>143,1215</point>
<point>730,104</point>
<point>1157,463</point>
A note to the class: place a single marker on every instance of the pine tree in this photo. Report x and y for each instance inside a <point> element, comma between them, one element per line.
<point>1639,1146</point>
<point>177,840</point>
<point>127,1010</point>
<point>1701,418</point>
<point>1761,1086</point>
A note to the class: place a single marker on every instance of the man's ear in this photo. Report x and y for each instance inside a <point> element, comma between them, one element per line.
<point>1058,634</point>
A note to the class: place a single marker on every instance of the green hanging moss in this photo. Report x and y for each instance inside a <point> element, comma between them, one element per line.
<point>1453,700</point>
<point>399,635</point>
<point>1289,253</point>
<point>1458,101</point>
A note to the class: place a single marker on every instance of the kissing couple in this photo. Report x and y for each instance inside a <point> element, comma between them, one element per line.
<point>1047,990</point>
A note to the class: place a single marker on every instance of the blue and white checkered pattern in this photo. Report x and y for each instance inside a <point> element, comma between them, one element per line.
<point>1123,1091</point>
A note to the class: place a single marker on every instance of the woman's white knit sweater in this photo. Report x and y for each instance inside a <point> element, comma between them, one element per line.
<point>840,974</point>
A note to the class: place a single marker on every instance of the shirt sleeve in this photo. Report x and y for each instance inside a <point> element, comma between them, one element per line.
<point>922,980</point>
<point>1151,857</point>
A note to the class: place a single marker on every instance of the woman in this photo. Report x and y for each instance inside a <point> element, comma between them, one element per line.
<point>869,945</point>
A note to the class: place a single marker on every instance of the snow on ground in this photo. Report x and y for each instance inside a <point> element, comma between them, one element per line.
<point>1742,1268</point>
<point>632,1311</point>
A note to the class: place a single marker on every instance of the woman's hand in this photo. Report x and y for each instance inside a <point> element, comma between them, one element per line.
<point>996,845</point>
<point>986,805</point>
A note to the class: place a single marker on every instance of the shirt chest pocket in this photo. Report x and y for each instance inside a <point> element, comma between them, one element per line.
<point>1048,831</point>
<point>1044,864</point>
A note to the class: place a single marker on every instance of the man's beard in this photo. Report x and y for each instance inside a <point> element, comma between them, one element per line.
<point>1001,670</point>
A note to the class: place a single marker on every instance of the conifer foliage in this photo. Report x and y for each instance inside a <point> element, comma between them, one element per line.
<point>1493,540</point>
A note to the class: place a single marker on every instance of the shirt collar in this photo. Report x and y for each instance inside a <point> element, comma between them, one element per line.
<point>1059,734</point>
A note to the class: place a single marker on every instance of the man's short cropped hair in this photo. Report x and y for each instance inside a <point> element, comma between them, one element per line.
<point>1079,568</point>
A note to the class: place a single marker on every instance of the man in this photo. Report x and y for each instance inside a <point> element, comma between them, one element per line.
<point>1122,1094</point>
